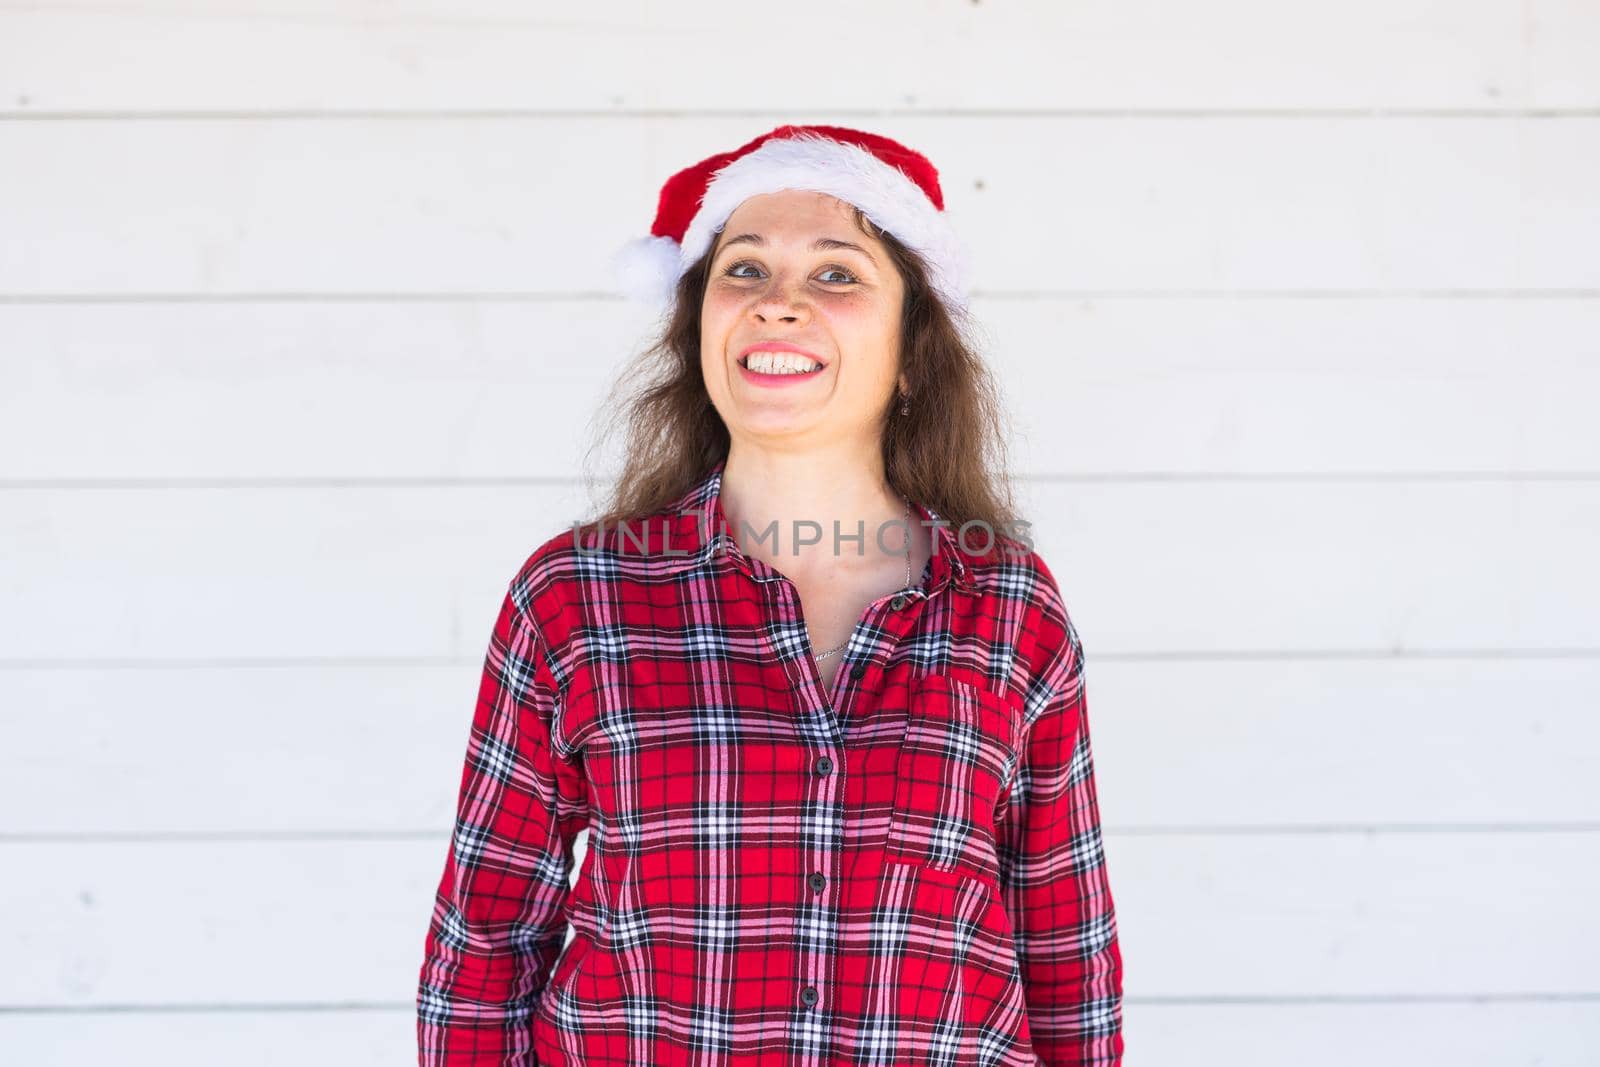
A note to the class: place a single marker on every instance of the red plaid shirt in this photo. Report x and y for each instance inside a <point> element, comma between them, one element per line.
<point>905,869</point>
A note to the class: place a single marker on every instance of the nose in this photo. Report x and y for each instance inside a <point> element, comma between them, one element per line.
<point>780,301</point>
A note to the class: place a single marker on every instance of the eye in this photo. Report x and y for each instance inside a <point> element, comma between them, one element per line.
<point>732,271</point>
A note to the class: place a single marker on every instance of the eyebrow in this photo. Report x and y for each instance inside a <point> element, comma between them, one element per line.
<point>819,245</point>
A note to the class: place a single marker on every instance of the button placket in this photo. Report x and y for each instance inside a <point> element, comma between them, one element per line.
<point>894,624</point>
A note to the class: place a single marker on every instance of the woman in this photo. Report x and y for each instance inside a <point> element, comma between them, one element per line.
<point>838,781</point>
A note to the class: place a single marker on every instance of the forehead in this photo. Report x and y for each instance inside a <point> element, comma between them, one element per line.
<point>793,211</point>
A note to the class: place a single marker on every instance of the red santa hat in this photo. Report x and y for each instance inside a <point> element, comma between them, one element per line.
<point>896,187</point>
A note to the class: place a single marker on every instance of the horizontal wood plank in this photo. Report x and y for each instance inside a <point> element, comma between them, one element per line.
<point>486,205</point>
<point>127,56</point>
<point>1180,746</point>
<point>1470,1032</point>
<point>1148,568</point>
<point>1097,386</point>
<point>1259,916</point>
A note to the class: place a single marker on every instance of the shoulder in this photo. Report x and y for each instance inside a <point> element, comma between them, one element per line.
<point>557,577</point>
<point>1021,578</point>
<point>542,568</point>
<point>543,588</point>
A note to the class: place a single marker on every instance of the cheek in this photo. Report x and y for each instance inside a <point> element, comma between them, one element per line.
<point>868,329</point>
<point>711,316</point>
<point>865,315</point>
<point>717,317</point>
<point>713,368</point>
<point>721,300</point>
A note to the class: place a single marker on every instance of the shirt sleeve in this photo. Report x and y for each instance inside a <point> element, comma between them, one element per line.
<point>1054,885</point>
<point>499,915</point>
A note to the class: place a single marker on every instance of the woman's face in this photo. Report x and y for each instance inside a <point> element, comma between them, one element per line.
<point>769,282</point>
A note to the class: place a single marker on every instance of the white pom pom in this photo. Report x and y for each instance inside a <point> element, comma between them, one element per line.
<point>646,269</point>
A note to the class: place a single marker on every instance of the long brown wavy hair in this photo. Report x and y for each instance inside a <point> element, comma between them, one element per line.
<point>948,453</point>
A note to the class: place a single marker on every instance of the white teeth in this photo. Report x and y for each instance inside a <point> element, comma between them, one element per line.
<point>780,363</point>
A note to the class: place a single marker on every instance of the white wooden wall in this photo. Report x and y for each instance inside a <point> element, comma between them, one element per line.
<point>304,307</point>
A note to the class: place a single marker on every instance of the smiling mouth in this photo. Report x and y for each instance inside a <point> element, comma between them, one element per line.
<point>779,363</point>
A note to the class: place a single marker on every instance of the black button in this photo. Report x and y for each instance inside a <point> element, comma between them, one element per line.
<point>817,882</point>
<point>809,994</point>
<point>858,670</point>
<point>899,602</point>
<point>824,765</point>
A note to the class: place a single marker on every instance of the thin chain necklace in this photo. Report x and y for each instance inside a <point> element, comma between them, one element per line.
<point>820,656</point>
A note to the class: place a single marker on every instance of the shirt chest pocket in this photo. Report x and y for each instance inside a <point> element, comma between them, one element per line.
<point>958,757</point>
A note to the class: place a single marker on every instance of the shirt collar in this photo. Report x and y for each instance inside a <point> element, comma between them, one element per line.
<point>699,534</point>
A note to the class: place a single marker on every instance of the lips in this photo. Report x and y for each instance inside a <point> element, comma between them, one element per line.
<point>775,378</point>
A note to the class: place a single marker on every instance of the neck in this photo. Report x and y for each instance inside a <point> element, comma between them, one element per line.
<point>805,494</point>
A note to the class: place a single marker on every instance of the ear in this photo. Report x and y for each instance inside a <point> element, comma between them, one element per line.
<point>905,386</point>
